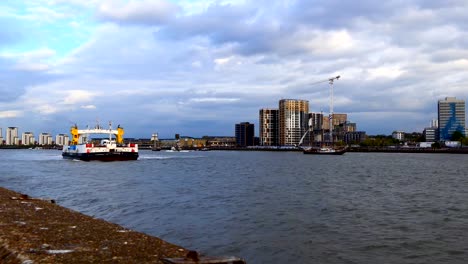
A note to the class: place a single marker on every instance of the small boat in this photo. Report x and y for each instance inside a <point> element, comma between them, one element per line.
<point>105,150</point>
<point>325,151</point>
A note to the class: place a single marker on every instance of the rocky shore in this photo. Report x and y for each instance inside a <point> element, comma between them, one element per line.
<point>40,231</point>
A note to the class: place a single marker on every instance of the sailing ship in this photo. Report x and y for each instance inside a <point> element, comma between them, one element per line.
<point>326,150</point>
<point>106,150</point>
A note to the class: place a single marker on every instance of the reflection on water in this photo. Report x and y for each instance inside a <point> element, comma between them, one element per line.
<point>269,207</point>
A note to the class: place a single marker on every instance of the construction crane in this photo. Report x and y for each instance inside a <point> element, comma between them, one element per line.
<point>330,117</point>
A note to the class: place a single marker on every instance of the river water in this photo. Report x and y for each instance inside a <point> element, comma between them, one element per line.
<point>268,207</point>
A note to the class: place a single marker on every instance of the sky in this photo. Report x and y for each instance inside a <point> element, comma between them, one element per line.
<point>199,67</point>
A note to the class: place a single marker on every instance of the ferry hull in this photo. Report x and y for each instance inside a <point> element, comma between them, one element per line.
<point>318,152</point>
<point>104,156</point>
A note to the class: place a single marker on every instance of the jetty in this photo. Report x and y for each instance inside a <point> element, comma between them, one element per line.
<point>36,230</point>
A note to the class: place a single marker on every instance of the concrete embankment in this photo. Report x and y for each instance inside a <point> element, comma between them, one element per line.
<point>40,231</point>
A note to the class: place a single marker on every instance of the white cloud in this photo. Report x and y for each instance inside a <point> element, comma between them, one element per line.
<point>149,12</point>
<point>388,72</point>
<point>73,97</point>
<point>214,100</point>
<point>88,107</point>
<point>36,60</point>
<point>11,114</point>
<point>210,58</point>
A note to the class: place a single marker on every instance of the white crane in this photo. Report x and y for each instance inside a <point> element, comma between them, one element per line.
<point>330,117</point>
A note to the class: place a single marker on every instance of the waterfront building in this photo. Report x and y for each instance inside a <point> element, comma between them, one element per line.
<point>245,134</point>
<point>451,117</point>
<point>12,136</point>
<point>45,139</point>
<point>316,121</point>
<point>354,137</point>
<point>27,138</point>
<point>1,136</point>
<point>269,127</point>
<point>220,142</point>
<point>62,139</point>
<point>338,119</point>
<point>293,121</point>
<point>399,135</point>
<point>431,134</point>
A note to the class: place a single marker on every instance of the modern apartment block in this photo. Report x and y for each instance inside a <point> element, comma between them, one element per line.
<point>269,127</point>
<point>1,136</point>
<point>61,139</point>
<point>451,117</point>
<point>12,136</point>
<point>245,134</point>
<point>338,119</point>
<point>293,121</point>
<point>27,138</point>
<point>45,139</point>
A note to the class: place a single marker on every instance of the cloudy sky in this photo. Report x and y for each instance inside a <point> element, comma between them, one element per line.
<point>198,67</point>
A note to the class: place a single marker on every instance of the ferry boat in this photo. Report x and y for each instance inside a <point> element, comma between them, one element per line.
<point>106,150</point>
<point>325,151</point>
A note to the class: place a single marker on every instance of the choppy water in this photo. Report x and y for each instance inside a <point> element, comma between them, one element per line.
<point>269,207</point>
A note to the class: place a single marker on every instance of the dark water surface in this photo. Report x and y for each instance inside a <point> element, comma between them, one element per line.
<point>269,207</point>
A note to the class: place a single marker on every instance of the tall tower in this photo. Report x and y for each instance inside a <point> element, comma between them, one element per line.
<point>245,134</point>
<point>11,135</point>
<point>451,114</point>
<point>269,127</point>
<point>293,119</point>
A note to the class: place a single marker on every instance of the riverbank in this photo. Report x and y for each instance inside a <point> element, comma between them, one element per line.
<point>410,150</point>
<point>40,231</point>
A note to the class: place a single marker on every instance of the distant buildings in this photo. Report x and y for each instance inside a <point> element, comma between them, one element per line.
<point>27,138</point>
<point>286,125</point>
<point>398,135</point>
<point>62,139</point>
<point>451,117</point>
<point>293,121</point>
<point>45,139</point>
<point>269,127</point>
<point>354,137</point>
<point>245,134</point>
<point>12,136</point>
<point>431,134</point>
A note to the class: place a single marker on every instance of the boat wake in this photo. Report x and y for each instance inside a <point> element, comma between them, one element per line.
<point>169,157</point>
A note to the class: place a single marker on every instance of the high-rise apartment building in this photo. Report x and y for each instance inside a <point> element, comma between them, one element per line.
<point>1,136</point>
<point>316,121</point>
<point>27,138</point>
<point>293,121</point>
<point>338,119</point>
<point>45,139</point>
<point>12,136</point>
<point>269,127</point>
<point>245,134</point>
<point>451,113</point>
<point>61,139</point>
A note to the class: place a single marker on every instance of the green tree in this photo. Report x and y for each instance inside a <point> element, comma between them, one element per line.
<point>457,136</point>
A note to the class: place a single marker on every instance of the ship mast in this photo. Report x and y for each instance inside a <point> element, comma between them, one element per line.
<point>330,117</point>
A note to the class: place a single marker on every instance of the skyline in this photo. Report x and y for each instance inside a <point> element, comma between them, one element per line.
<point>192,67</point>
